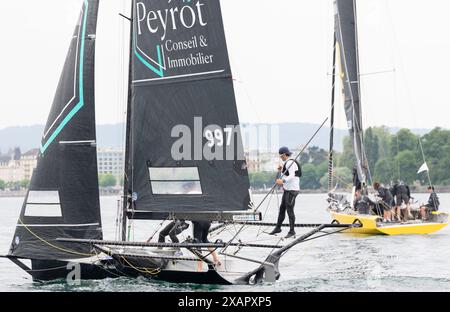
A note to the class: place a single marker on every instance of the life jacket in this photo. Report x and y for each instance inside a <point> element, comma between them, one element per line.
<point>402,189</point>
<point>362,205</point>
<point>385,194</point>
<point>298,173</point>
<point>434,201</point>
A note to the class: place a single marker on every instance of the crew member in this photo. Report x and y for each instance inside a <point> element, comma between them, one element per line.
<point>201,232</point>
<point>387,201</point>
<point>432,205</point>
<point>362,203</point>
<point>172,230</point>
<point>402,195</point>
<point>290,180</point>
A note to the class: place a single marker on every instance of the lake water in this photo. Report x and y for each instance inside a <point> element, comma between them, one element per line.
<point>339,262</point>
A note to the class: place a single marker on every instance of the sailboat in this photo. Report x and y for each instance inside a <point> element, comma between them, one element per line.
<point>346,60</point>
<point>184,160</point>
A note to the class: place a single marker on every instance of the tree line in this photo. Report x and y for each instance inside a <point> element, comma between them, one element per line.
<point>15,186</point>
<point>391,157</point>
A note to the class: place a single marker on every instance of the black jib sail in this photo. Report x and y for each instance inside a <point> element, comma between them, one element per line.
<point>63,197</point>
<point>347,40</point>
<point>184,146</point>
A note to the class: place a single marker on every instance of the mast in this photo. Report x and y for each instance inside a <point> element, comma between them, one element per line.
<point>346,33</point>
<point>365,165</point>
<point>128,184</point>
<point>333,86</point>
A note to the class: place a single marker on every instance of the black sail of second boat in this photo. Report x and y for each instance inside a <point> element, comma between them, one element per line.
<point>347,41</point>
<point>184,146</point>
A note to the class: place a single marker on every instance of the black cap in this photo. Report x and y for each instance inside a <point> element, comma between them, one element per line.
<point>284,150</point>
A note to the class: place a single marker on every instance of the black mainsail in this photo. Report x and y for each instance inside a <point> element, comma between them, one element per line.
<point>184,146</point>
<point>63,197</point>
<point>346,33</point>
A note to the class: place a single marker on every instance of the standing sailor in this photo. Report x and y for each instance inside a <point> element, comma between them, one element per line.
<point>290,180</point>
<point>402,195</point>
<point>200,233</point>
<point>387,200</point>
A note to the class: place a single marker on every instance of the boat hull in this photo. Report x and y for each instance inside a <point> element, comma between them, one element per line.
<point>51,270</point>
<point>372,225</point>
<point>164,266</point>
<point>174,271</point>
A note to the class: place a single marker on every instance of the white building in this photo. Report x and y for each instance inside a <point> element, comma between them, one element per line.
<point>18,169</point>
<point>28,162</point>
<point>11,171</point>
<point>110,161</point>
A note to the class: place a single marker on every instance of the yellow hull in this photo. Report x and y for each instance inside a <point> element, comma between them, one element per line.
<point>371,225</point>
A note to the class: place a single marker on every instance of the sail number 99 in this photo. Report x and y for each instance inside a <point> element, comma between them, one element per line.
<point>219,137</point>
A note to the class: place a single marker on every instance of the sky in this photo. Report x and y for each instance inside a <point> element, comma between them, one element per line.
<point>280,53</point>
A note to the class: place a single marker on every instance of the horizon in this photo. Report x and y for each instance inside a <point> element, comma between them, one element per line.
<point>109,135</point>
<point>253,123</point>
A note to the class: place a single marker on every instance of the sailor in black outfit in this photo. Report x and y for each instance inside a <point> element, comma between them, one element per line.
<point>402,195</point>
<point>432,205</point>
<point>201,232</point>
<point>387,200</point>
<point>362,203</point>
<point>172,230</point>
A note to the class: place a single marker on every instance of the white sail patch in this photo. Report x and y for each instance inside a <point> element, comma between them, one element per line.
<point>43,204</point>
<point>175,181</point>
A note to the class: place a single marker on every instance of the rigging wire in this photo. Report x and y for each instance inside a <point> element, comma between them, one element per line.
<point>275,185</point>
<point>117,227</point>
<point>122,98</point>
<point>408,90</point>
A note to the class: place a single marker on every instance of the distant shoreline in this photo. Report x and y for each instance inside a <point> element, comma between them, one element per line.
<point>108,192</point>
<point>414,189</point>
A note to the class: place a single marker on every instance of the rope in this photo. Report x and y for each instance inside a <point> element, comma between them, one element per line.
<point>106,270</point>
<point>346,183</point>
<point>142,270</point>
<point>46,270</point>
<point>52,245</point>
<point>157,230</point>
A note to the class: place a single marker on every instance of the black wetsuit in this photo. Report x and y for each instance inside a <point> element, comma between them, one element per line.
<point>172,230</point>
<point>356,181</point>
<point>402,193</point>
<point>386,197</point>
<point>287,204</point>
<point>433,202</point>
<point>201,231</point>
